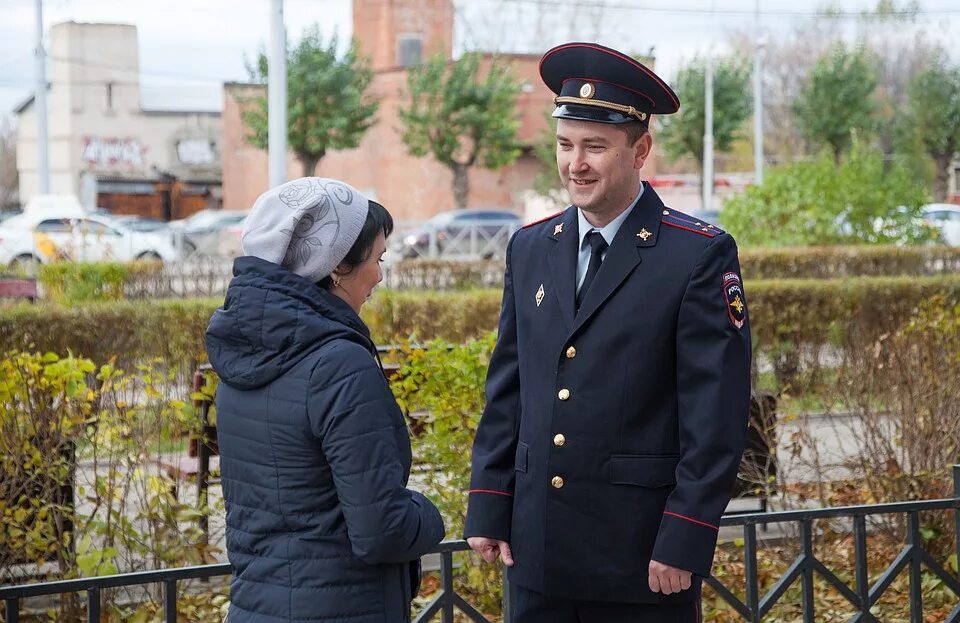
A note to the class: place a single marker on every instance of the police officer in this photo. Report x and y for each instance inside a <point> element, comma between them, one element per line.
<point>618,391</point>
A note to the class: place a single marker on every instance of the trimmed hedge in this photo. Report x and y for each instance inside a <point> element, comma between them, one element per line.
<point>784,314</point>
<point>848,261</point>
<point>785,263</point>
<point>131,331</point>
<point>75,282</point>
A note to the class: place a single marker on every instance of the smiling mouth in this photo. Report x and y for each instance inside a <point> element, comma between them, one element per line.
<point>583,182</point>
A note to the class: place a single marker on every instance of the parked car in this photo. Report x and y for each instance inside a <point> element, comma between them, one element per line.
<point>228,241</point>
<point>473,232</point>
<point>42,236</point>
<point>945,218</point>
<point>139,223</point>
<point>200,232</point>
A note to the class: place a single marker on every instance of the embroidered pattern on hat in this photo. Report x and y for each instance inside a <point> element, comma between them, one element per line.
<point>319,225</point>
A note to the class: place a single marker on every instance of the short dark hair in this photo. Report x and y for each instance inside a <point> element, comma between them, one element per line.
<point>634,130</point>
<point>378,221</point>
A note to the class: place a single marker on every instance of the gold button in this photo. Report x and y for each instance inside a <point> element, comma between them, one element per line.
<point>559,440</point>
<point>571,352</point>
<point>563,394</point>
<point>557,482</point>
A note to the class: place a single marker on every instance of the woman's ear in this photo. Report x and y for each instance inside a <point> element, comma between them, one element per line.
<point>339,273</point>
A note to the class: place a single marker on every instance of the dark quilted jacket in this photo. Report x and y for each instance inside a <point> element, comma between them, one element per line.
<point>315,457</point>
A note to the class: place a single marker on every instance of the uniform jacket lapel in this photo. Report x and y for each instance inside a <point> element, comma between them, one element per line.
<point>563,264</point>
<point>641,229</point>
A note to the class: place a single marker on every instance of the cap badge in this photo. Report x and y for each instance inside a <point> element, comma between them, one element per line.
<point>587,90</point>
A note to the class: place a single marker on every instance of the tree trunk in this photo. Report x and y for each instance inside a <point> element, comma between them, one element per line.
<point>461,184</point>
<point>309,163</point>
<point>941,184</point>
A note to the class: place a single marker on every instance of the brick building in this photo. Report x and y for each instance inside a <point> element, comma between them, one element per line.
<point>396,34</point>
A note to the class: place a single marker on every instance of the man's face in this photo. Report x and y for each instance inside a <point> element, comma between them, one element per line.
<point>598,166</point>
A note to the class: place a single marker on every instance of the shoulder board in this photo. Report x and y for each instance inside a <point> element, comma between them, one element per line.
<point>689,223</point>
<point>543,220</point>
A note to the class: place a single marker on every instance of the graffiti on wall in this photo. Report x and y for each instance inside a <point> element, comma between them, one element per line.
<point>111,152</point>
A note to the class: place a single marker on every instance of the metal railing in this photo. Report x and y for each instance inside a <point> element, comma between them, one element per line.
<point>462,239</point>
<point>862,595</point>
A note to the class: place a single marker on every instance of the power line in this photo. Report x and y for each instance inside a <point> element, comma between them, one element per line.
<point>706,11</point>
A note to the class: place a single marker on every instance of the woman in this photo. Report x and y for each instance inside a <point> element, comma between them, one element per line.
<point>315,453</point>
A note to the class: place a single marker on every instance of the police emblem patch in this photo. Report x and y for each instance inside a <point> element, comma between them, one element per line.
<point>733,295</point>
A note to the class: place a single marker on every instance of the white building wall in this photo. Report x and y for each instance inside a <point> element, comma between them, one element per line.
<point>96,123</point>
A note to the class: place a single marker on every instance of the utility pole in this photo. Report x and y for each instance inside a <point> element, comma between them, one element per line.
<point>40,104</point>
<point>757,99</point>
<point>708,135</point>
<point>277,96</point>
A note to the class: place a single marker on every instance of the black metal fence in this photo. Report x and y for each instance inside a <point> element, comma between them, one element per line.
<point>861,595</point>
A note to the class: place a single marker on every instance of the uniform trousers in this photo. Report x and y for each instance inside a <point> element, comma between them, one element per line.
<point>528,606</point>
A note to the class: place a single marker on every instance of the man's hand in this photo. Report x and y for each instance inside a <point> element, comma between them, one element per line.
<point>490,548</point>
<point>666,579</point>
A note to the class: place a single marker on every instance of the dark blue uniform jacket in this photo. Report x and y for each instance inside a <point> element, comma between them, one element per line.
<point>315,457</point>
<point>612,435</point>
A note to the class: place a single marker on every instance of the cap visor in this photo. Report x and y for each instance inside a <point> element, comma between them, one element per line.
<point>591,113</point>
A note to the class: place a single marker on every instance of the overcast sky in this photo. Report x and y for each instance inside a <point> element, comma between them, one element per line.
<point>189,47</point>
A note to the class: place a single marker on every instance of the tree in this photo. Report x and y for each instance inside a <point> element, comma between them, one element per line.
<point>327,102</point>
<point>901,48</point>
<point>935,110</point>
<point>812,203</point>
<point>682,133</point>
<point>837,100</point>
<point>461,117</point>
<point>9,178</point>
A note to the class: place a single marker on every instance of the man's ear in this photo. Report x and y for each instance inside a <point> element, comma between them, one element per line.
<point>641,150</point>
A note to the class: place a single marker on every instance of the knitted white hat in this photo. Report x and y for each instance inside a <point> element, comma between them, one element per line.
<point>306,225</point>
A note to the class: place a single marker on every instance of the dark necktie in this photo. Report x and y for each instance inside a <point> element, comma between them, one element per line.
<point>597,246</point>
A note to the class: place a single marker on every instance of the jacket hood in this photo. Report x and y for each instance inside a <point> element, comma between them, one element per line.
<point>270,320</point>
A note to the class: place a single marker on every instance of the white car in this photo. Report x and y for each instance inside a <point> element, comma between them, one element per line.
<point>945,217</point>
<point>46,235</point>
<point>201,232</point>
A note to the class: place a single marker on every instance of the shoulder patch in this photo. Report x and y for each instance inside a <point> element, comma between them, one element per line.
<point>734,298</point>
<point>543,220</point>
<point>689,223</point>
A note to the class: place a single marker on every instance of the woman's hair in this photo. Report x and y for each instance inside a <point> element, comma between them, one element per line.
<point>378,221</point>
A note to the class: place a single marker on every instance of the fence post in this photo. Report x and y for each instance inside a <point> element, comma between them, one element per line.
<point>13,611</point>
<point>446,583</point>
<point>170,601</point>
<point>432,246</point>
<point>956,514</point>
<point>93,605</point>
<point>507,616</point>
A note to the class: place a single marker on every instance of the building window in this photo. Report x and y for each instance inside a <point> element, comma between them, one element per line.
<point>409,50</point>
